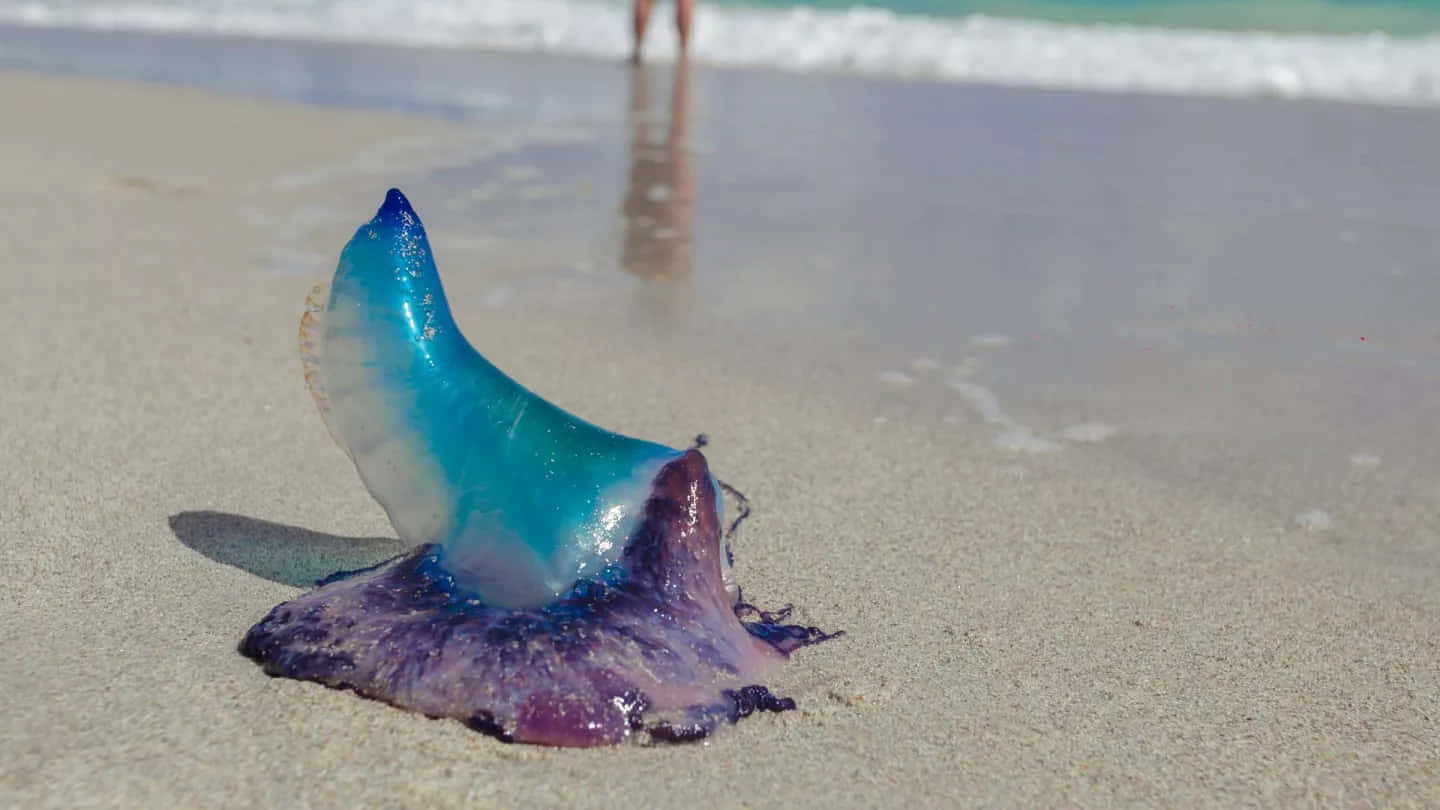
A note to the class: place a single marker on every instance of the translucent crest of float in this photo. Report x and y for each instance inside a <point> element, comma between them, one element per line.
<point>523,497</point>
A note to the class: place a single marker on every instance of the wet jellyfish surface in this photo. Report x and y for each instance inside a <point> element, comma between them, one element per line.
<point>569,585</point>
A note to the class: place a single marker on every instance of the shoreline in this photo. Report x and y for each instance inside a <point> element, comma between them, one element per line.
<point>1267,72</point>
<point>1022,628</point>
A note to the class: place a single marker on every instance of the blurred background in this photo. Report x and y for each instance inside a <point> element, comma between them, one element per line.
<point>1081,358</point>
<point>1359,49</point>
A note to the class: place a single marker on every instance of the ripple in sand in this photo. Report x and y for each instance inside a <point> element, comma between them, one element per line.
<point>1315,520</point>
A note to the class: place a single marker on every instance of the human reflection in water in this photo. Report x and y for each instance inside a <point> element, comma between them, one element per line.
<point>659,194</point>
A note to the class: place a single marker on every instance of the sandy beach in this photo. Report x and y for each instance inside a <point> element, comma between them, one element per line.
<point>1077,592</point>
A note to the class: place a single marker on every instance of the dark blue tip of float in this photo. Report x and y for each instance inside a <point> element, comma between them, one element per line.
<point>395,204</point>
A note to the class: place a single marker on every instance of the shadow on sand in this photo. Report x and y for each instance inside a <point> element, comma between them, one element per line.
<point>279,553</point>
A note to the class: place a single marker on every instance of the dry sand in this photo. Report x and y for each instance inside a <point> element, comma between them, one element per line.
<point>1053,631</point>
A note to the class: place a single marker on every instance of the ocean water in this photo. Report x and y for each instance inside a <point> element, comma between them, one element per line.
<point>1333,49</point>
<point>1405,17</point>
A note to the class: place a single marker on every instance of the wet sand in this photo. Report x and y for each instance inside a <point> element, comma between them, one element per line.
<point>1035,616</point>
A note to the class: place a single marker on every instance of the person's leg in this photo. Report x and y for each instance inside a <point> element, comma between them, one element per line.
<point>642,17</point>
<point>683,10</point>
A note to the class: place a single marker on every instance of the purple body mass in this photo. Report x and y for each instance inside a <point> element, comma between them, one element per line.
<point>654,648</point>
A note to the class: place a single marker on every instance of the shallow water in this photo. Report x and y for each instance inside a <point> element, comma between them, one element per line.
<point>1237,297</point>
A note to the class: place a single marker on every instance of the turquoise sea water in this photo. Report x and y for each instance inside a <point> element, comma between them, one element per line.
<point>1352,50</point>
<point>1312,16</point>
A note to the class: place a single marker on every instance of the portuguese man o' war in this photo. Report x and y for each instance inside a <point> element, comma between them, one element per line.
<point>570,586</point>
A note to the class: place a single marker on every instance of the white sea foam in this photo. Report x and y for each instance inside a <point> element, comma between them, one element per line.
<point>983,400</point>
<point>1012,436</point>
<point>1371,67</point>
